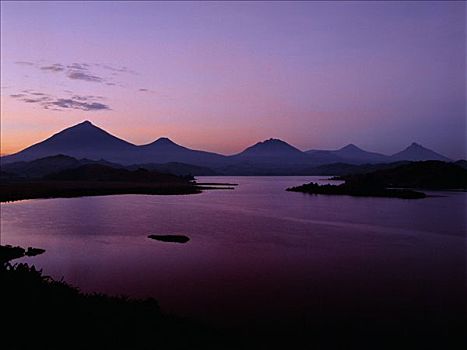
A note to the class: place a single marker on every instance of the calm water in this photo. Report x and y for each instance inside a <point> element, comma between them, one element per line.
<point>256,250</point>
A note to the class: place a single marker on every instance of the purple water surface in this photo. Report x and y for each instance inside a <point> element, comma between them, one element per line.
<point>256,250</point>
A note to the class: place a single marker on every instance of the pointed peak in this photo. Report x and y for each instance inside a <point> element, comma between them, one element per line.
<point>85,123</point>
<point>165,141</point>
<point>415,145</point>
<point>272,141</point>
<point>351,147</point>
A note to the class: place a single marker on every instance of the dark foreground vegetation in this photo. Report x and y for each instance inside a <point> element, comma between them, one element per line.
<point>395,182</point>
<point>39,312</point>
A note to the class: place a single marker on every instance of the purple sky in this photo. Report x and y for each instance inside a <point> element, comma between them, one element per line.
<point>221,76</point>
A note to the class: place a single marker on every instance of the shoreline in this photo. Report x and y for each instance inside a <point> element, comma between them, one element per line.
<point>17,191</point>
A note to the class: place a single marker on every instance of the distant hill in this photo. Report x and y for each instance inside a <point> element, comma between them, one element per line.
<point>272,151</point>
<point>44,166</point>
<point>175,168</point>
<point>416,152</point>
<point>98,172</point>
<point>338,169</point>
<point>351,154</point>
<point>164,150</point>
<point>462,163</point>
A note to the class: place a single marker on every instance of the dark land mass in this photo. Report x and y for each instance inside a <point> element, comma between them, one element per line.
<point>96,180</point>
<point>45,166</point>
<point>395,182</point>
<point>98,172</point>
<point>39,312</point>
<point>462,163</point>
<point>269,158</point>
<point>176,168</point>
<point>41,167</point>
<point>7,252</point>
<point>340,169</point>
<point>170,238</point>
<point>434,175</point>
<point>67,189</point>
<point>361,190</point>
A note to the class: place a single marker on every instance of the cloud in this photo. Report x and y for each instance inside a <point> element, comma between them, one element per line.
<point>143,90</point>
<point>56,67</point>
<point>116,69</point>
<point>74,104</point>
<point>84,76</point>
<point>49,102</point>
<point>79,66</point>
<point>88,72</point>
<point>36,100</point>
<point>25,63</point>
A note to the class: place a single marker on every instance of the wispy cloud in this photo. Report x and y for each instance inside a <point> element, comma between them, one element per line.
<point>25,63</point>
<point>79,66</point>
<point>76,75</point>
<point>56,67</point>
<point>117,69</point>
<point>49,102</point>
<point>74,104</point>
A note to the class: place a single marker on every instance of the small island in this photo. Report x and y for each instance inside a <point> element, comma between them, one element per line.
<point>170,238</point>
<point>357,191</point>
<point>398,182</point>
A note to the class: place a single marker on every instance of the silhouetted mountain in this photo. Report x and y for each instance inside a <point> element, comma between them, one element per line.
<point>269,157</point>
<point>83,140</point>
<point>86,140</point>
<point>164,150</point>
<point>354,154</point>
<point>272,151</point>
<point>270,148</point>
<point>350,154</point>
<point>416,152</point>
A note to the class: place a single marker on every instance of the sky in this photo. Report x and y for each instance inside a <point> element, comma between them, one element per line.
<point>221,76</point>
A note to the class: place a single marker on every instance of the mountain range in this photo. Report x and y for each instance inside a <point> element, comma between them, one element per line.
<point>270,157</point>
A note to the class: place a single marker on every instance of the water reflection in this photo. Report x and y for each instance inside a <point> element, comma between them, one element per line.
<point>254,250</point>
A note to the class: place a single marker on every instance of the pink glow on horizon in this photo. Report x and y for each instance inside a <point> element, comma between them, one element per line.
<point>222,76</point>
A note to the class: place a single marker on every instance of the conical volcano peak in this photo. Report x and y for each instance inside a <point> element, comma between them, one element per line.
<point>164,141</point>
<point>416,152</point>
<point>414,144</point>
<point>351,147</point>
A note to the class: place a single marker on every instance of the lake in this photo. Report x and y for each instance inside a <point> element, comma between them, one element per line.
<point>256,252</point>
